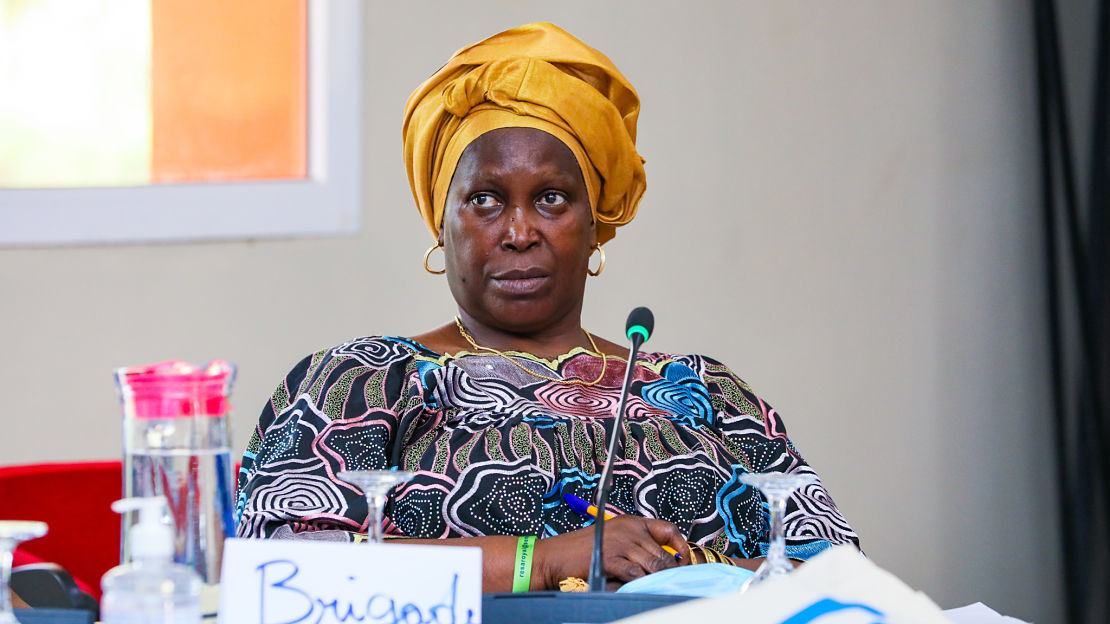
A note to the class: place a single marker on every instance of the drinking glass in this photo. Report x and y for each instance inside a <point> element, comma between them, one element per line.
<point>776,488</point>
<point>12,532</point>
<point>375,485</point>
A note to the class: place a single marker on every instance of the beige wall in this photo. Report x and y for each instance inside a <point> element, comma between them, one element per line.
<point>842,205</point>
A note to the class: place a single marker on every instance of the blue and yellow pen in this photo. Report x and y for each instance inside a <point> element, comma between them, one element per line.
<point>584,508</point>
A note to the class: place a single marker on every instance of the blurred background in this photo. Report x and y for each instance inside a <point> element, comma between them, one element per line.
<point>843,205</point>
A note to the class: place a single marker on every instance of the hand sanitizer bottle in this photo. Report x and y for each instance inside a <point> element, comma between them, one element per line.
<point>152,589</point>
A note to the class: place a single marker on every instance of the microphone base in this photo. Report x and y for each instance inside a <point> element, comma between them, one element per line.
<point>552,607</point>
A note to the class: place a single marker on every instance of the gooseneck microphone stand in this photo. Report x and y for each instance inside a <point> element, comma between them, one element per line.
<point>638,329</point>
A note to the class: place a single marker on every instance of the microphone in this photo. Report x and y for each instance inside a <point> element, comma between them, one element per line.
<point>639,326</point>
<point>637,329</point>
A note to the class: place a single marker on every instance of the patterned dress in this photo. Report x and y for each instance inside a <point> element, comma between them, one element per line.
<point>494,448</point>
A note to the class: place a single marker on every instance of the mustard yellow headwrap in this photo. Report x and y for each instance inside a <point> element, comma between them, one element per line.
<point>533,76</point>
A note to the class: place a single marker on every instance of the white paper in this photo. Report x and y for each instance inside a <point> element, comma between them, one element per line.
<point>839,585</point>
<point>288,581</point>
<point>979,613</point>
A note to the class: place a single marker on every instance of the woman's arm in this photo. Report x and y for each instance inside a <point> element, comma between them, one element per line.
<point>286,481</point>
<point>758,435</point>
<point>632,548</point>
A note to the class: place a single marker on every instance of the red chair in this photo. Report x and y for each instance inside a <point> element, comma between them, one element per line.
<point>74,499</point>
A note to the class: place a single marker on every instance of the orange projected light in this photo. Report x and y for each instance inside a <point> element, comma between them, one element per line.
<point>228,85</point>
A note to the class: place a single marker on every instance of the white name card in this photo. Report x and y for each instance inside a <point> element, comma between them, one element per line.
<point>288,581</point>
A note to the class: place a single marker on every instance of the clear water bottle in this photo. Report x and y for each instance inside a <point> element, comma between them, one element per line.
<point>152,589</point>
<point>176,445</point>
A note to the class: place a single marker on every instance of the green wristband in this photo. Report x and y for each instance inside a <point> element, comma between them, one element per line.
<point>522,573</point>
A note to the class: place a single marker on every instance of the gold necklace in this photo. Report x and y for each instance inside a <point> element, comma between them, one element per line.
<point>569,382</point>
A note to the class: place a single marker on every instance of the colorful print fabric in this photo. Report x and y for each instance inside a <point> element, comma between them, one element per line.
<point>494,448</point>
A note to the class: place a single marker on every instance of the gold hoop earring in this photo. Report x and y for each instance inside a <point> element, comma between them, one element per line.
<point>427,255</point>
<point>601,265</point>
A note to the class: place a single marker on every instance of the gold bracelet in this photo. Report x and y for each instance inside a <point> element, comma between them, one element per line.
<point>704,555</point>
<point>695,549</point>
<point>710,555</point>
<point>722,558</point>
<point>573,584</point>
<point>725,559</point>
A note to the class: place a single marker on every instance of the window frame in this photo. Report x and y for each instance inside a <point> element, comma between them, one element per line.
<point>325,203</point>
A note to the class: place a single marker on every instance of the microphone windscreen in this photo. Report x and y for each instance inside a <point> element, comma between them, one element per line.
<point>640,321</point>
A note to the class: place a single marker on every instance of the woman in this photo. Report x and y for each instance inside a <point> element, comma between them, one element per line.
<point>521,155</point>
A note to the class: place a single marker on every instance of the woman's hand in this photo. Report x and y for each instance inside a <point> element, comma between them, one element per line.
<point>633,547</point>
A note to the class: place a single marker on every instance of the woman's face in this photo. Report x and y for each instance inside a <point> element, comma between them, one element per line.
<point>518,231</point>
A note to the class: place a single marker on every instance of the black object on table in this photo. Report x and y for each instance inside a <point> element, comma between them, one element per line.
<point>562,607</point>
<point>47,585</point>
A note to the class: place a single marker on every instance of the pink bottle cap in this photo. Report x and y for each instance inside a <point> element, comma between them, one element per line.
<point>176,389</point>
